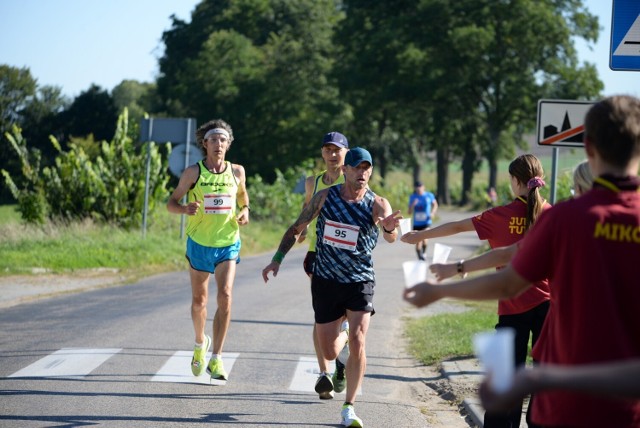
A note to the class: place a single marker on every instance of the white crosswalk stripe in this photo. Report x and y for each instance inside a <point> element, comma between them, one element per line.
<point>178,369</point>
<point>68,362</point>
<point>79,362</point>
<point>306,374</point>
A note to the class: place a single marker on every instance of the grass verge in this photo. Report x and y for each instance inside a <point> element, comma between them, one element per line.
<point>433,339</point>
<point>63,248</point>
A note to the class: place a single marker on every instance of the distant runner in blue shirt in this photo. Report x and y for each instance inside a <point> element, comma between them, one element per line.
<point>423,206</point>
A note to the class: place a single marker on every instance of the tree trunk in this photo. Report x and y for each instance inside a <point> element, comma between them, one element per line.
<point>444,196</point>
<point>415,173</point>
<point>492,160</point>
<point>383,168</point>
<point>468,169</point>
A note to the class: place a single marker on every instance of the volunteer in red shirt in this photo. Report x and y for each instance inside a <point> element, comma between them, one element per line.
<point>589,249</point>
<point>503,226</point>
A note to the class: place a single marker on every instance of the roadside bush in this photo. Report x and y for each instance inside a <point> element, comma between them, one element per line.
<point>110,189</point>
<point>32,204</point>
<point>277,202</point>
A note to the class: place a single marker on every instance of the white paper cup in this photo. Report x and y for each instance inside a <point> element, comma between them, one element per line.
<point>495,353</point>
<point>441,253</point>
<point>414,272</point>
<point>405,226</point>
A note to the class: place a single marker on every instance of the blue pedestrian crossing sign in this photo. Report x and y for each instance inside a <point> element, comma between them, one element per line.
<point>625,35</point>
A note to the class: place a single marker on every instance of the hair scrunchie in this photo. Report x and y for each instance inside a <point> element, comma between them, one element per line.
<point>535,182</point>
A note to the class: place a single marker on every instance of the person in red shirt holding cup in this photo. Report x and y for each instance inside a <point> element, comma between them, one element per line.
<point>503,226</point>
<point>588,248</point>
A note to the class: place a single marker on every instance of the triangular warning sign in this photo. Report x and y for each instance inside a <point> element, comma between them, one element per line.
<point>630,44</point>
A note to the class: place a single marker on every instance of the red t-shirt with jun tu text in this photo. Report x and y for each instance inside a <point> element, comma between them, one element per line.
<point>589,249</point>
<point>501,227</point>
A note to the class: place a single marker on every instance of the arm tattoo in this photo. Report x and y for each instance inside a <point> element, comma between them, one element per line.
<point>308,213</point>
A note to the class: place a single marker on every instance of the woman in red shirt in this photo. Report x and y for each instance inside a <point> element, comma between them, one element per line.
<point>503,226</point>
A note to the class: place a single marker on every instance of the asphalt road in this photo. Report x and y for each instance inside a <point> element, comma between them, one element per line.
<point>115,343</point>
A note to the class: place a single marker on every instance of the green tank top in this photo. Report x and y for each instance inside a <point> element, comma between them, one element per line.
<point>319,185</point>
<point>215,224</point>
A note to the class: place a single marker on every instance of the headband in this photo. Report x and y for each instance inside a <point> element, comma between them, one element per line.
<point>216,131</point>
<point>535,182</point>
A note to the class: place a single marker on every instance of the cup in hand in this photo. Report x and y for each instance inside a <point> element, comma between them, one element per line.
<point>414,272</point>
<point>496,355</point>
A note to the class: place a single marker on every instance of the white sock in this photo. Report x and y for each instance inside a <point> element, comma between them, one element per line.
<point>199,345</point>
<point>216,357</point>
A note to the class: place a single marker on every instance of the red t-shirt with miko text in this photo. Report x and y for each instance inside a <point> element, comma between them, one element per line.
<point>589,249</point>
<point>501,227</point>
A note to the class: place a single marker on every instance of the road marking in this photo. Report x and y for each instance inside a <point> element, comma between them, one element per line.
<point>306,374</point>
<point>68,362</point>
<point>177,369</point>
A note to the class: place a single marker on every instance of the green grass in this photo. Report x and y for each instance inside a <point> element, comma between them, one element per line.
<point>439,337</point>
<point>8,214</point>
<point>58,248</point>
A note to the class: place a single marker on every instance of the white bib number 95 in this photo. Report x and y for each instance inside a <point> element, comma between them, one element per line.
<point>341,235</point>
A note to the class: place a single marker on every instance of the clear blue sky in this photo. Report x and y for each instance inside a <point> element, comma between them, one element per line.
<point>74,43</point>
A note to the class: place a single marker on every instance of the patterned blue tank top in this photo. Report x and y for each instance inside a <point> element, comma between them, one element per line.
<point>346,260</point>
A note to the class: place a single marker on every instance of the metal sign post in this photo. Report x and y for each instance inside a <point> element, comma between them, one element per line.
<point>165,130</point>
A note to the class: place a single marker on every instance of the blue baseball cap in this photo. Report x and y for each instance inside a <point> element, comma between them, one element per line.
<point>356,156</point>
<point>337,139</point>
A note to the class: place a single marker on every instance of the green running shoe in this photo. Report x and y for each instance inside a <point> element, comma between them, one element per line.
<point>216,369</point>
<point>199,355</point>
<point>339,379</point>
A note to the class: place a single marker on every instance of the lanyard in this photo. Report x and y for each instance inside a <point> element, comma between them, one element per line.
<point>606,183</point>
<point>524,201</point>
<point>609,185</point>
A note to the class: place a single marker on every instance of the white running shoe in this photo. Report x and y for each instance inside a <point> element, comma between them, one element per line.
<point>349,418</point>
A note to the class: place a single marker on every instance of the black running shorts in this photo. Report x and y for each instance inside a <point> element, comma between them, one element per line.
<point>332,299</point>
<point>309,261</point>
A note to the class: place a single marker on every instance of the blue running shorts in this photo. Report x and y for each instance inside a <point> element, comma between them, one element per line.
<point>205,259</point>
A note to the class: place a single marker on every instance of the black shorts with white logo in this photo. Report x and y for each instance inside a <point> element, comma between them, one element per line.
<point>331,299</point>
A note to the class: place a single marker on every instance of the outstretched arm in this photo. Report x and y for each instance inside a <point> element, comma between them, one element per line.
<point>611,379</point>
<point>494,258</point>
<point>386,219</point>
<point>499,285</point>
<point>446,229</point>
<point>310,212</point>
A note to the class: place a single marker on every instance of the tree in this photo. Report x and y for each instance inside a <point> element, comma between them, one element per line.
<point>518,48</point>
<point>138,98</point>
<point>264,66</point>
<point>374,46</point>
<point>40,119</point>
<point>17,88</point>
<point>91,112</point>
<point>32,109</point>
<point>487,63</point>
